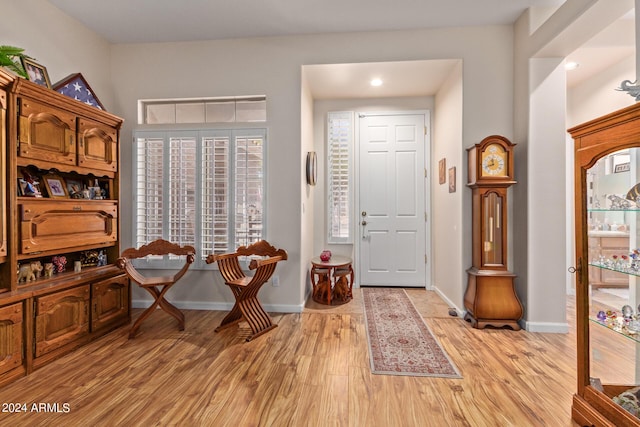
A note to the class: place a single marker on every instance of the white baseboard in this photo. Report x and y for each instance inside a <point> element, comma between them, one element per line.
<point>547,327</point>
<point>449,302</point>
<point>220,306</point>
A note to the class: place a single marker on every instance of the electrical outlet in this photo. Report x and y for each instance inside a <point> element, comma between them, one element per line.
<point>275,281</point>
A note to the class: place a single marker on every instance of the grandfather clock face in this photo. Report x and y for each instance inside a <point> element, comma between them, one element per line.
<point>494,161</point>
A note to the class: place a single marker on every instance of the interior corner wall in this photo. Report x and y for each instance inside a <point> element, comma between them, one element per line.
<point>451,212</point>
<point>598,95</point>
<point>308,210</point>
<point>547,197</point>
<point>58,42</point>
<point>122,74</point>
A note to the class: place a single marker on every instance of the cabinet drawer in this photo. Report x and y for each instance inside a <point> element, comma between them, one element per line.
<point>46,133</point>
<point>61,318</point>
<point>11,332</point>
<point>55,225</point>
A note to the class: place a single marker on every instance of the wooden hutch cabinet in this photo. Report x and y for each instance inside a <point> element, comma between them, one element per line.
<point>59,287</point>
<point>607,205</point>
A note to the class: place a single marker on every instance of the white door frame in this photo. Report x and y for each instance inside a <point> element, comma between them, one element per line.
<point>427,200</point>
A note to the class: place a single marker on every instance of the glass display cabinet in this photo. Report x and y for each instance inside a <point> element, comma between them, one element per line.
<point>607,217</point>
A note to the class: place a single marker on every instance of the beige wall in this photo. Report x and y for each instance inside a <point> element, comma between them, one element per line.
<point>597,96</point>
<point>123,74</point>
<point>451,211</point>
<point>272,66</point>
<point>308,207</point>
<point>58,42</point>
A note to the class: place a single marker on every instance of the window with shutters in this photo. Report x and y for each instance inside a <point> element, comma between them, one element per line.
<point>203,188</point>
<point>339,179</point>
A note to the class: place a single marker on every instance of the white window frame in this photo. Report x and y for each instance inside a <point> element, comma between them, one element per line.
<point>199,240</point>
<point>340,193</point>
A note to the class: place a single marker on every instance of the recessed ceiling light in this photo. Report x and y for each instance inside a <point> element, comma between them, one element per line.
<point>376,82</point>
<point>571,65</point>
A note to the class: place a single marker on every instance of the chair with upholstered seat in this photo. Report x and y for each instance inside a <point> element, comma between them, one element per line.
<point>245,288</point>
<point>156,286</point>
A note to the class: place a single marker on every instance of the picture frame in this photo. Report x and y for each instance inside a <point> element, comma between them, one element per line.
<point>76,86</point>
<point>452,179</point>
<point>36,73</point>
<point>442,171</point>
<point>28,184</point>
<point>55,185</point>
<point>74,188</point>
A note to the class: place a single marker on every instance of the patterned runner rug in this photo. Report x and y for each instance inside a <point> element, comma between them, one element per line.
<point>400,342</point>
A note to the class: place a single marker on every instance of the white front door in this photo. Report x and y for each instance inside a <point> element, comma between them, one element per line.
<point>392,181</point>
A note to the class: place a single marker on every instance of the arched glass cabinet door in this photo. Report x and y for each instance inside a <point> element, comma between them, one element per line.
<point>612,223</point>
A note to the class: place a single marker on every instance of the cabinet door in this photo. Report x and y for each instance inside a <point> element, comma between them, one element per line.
<point>3,172</point>
<point>61,318</point>
<point>610,210</point>
<point>45,133</point>
<point>97,146</point>
<point>110,302</point>
<point>11,332</point>
<point>64,224</point>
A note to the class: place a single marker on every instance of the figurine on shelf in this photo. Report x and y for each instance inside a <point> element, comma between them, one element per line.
<point>90,258</point>
<point>618,203</point>
<point>48,269</point>
<point>29,272</point>
<point>102,259</point>
<point>104,190</point>
<point>75,192</point>
<point>59,262</point>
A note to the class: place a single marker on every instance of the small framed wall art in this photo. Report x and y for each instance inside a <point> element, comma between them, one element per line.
<point>452,179</point>
<point>75,86</point>
<point>37,73</point>
<point>442,171</point>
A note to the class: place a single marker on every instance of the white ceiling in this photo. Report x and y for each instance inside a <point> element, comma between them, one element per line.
<point>404,78</point>
<point>130,21</point>
<point>138,21</point>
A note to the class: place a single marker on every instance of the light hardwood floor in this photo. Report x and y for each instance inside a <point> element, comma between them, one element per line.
<point>313,370</point>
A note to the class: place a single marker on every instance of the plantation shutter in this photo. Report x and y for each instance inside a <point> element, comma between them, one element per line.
<point>200,188</point>
<point>215,194</point>
<point>340,190</point>
<point>181,203</point>
<point>149,189</point>
<point>249,188</point>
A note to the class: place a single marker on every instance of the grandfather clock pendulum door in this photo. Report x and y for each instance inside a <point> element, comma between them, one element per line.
<point>490,298</point>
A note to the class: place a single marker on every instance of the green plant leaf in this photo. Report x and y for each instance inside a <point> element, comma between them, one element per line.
<point>10,57</point>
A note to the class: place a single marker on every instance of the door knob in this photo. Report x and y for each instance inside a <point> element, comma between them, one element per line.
<point>364,222</point>
<point>364,213</point>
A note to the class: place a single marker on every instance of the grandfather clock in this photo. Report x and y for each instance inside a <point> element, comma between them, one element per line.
<point>490,298</point>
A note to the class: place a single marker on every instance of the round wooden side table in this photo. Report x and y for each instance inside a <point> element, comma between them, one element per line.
<point>332,280</point>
